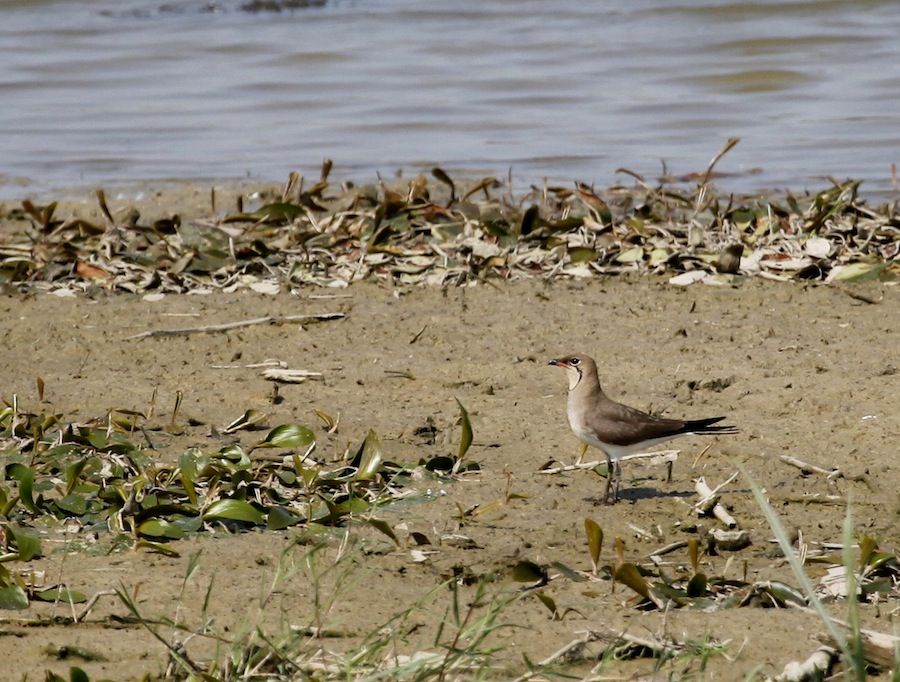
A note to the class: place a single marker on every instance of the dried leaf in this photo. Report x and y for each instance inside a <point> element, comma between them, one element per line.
<point>372,457</point>
<point>595,541</point>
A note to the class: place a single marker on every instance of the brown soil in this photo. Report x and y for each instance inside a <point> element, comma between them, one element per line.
<point>810,372</point>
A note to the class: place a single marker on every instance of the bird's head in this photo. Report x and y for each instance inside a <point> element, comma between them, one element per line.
<point>576,366</point>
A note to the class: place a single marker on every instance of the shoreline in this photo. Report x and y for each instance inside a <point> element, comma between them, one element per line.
<point>178,237</point>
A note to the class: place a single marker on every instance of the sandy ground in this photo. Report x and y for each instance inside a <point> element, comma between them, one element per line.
<point>807,371</point>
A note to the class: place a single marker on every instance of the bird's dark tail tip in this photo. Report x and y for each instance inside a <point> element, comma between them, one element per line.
<point>709,426</point>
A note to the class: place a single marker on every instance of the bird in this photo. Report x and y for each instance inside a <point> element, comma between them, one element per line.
<point>616,429</point>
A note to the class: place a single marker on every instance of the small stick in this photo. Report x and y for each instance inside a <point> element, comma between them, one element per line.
<point>91,603</point>
<point>575,650</point>
<point>657,647</point>
<point>719,511</point>
<point>286,319</point>
<point>700,456</point>
<point>812,499</point>
<point>671,547</point>
<point>806,467</point>
<point>640,531</point>
<point>571,467</point>
<point>658,457</point>
<point>570,653</point>
<point>254,365</point>
<point>661,457</point>
<point>863,298</point>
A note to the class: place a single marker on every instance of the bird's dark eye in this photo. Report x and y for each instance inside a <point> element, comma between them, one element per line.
<point>574,361</point>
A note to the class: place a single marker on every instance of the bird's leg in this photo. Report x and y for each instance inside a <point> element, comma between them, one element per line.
<point>618,480</point>
<point>609,478</point>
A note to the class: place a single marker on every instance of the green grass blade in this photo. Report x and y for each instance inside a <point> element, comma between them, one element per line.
<point>796,567</point>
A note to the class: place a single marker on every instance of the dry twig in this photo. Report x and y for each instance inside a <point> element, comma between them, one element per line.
<point>807,468</point>
<point>228,326</point>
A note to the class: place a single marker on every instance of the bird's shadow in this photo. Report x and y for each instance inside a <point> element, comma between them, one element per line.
<point>633,495</point>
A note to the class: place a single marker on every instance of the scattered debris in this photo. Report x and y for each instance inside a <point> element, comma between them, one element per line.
<point>290,376</point>
<point>709,501</point>
<point>816,667</point>
<point>414,233</point>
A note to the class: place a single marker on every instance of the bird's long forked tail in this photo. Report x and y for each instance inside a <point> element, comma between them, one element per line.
<point>708,427</point>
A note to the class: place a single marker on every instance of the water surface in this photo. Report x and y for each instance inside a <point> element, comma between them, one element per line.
<point>105,92</point>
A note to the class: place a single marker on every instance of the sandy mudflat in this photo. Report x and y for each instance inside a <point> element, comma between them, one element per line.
<point>803,370</point>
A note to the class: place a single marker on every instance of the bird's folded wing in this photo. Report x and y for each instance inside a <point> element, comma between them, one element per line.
<point>623,425</point>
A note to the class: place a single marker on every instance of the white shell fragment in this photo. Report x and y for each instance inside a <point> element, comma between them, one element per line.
<point>817,247</point>
<point>688,278</point>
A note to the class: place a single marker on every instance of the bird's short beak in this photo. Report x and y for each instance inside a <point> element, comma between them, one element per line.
<point>557,363</point>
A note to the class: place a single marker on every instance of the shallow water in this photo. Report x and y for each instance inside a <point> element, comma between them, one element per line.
<point>104,92</point>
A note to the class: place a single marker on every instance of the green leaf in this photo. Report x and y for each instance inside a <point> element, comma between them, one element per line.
<point>439,463</point>
<point>234,456</point>
<point>385,528</point>
<point>233,510</point>
<point>288,436</point>
<point>697,585</point>
<point>867,548</point>
<point>658,256</point>
<point>25,477</point>
<point>632,255</point>
<point>246,420</point>
<point>78,675</point>
<point>286,476</point>
<point>528,572</point>
<point>785,593</point>
<point>187,468</point>
<point>569,573</point>
<point>465,437</point>
<point>157,547</point>
<point>160,528</point>
<point>595,541</point>
<point>372,457</point>
<point>60,593</point>
<point>189,524</point>
<point>73,471</point>
<point>581,254</point>
<point>549,602</point>
<point>353,505</point>
<point>308,474</point>
<point>13,597</point>
<point>28,546</point>
<point>280,518</point>
<point>856,272</point>
<point>278,212</point>
<point>73,504</point>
